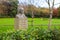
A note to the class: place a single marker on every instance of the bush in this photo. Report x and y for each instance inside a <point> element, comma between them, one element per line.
<point>32,34</point>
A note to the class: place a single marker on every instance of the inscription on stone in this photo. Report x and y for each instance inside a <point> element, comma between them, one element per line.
<point>21,21</point>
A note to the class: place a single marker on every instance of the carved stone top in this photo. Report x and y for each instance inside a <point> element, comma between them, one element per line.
<point>20,13</point>
<point>21,10</point>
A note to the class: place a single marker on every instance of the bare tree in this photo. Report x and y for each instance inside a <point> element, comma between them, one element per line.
<point>50,11</point>
<point>31,3</point>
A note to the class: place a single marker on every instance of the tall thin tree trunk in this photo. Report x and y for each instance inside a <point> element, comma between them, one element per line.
<point>50,19</point>
<point>51,13</point>
<point>32,19</point>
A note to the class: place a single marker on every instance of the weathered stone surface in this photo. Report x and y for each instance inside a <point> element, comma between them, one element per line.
<point>21,21</point>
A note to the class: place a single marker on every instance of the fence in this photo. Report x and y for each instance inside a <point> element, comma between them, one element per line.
<point>30,23</point>
<point>7,24</point>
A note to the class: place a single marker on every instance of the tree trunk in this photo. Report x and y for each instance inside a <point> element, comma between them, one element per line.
<point>32,19</point>
<point>50,19</point>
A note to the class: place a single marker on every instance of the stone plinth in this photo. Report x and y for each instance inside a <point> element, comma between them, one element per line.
<point>21,22</point>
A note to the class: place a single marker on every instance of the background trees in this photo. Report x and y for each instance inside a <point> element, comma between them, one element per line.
<point>12,11</point>
<point>9,8</point>
<point>59,12</point>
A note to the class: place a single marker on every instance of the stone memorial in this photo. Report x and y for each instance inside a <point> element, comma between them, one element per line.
<point>21,21</point>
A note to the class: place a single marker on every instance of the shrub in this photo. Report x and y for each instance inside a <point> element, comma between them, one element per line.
<point>32,34</point>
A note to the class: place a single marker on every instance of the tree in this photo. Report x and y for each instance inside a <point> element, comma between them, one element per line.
<point>31,3</point>
<point>12,11</point>
<point>55,13</point>
<point>59,12</point>
<point>50,11</point>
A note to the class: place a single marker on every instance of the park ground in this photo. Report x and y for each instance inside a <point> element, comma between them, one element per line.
<point>7,24</point>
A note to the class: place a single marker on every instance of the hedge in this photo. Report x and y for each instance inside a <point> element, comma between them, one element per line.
<point>32,34</point>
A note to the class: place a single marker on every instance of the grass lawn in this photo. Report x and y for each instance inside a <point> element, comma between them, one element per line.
<point>7,24</point>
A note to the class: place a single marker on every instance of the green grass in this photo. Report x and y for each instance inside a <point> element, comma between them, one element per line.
<point>10,21</point>
<point>6,21</point>
<point>7,24</point>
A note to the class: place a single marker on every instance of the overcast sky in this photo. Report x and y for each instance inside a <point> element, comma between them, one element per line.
<point>40,3</point>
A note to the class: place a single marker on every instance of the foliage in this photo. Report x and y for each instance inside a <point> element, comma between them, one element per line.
<point>38,12</point>
<point>13,8</point>
<point>32,34</point>
<point>59,11</point>
<point>9,9</point>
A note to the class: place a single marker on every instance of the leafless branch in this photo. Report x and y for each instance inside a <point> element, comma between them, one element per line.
<point>57,4</point>
<point>47,1</point>
<point>53,3</point>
